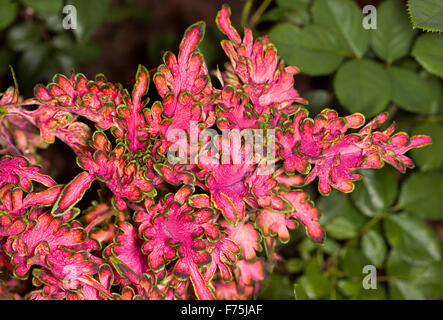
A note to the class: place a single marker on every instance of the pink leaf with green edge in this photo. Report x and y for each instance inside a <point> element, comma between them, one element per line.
<point>43,234</point>
<point>95,100</point>
<point>274,223</point>
<point>200,201</point>
<point>188,72</point>
<point>131,114</point>
<point>188,267</point>
<point>261,186</point>
<point>246,236</point>
<point>224,256</point>
<point>226,183</point>
<point>127,248</point>
<point>97,214</point>
<point>155,119</point>
<point>18,136</point>
<point>11,227</point>
<point>367,149</point>
<point>225,25</point>
<point>334,168</point>
<point>288,140</point>
<point>249,272</point>
<point>74,134</point>
<point>178,230</point>
<point>255,66</point>
<point>73,273</point>
<point>233,110</point>
<point>176,174</point>
<point>72,193</point>
<point>179,113</point>
<point>174,228</point>
<point>15,204</point>
<point>70,267</point>
<point>18,171</point>
<point>305,213</point>
<point>305,138</point>
<point>393,148</point>
<point>142,285</point>
<point>10,96</point>
<point>123,177</point>
<point>55,122</point>
<point>230,291</point>
<point>288,181</point>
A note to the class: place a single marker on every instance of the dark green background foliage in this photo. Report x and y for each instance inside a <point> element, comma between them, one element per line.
<point>392,221</point>
<point>32,38</point>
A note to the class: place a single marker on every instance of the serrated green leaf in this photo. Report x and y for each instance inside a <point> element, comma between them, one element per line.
<point>412,237</point>
<point>316,286</point>
<point>305,248</point>
<point>296,11</point>
<point>273,15</point>
<point>277,287</point>
<point>420,195</point>
<point>352,263</point>
<point>330,246</point>
<point>376,191</point>
<point>350,288</point>
<point>44,6</point>
<point>30,62</point>
<point>403,290</point>
<point>374,247</point>
<point>63,42</point>
<point>427,14</point>
<point>53,21</point>
<point>428,51</point>
<point>312,266</point>
<point>373,294</point>
<point>90,15</point>
<point>431,157</point>
<point>305,48</point>
<point>22,36</point>
<point>8,11</point>
<point>293,4</point>
<point>427,276</point>
<point>392,39</point>
<point>299,292</point>
<point>363,86</point>
<point>338,204</point>
<point>340,218</point>
<point>413,93</point>
<point>341,228</point>
<point>294,265</point>
<point>345,18</point>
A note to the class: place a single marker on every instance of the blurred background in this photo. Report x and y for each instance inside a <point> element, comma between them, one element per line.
<point>392,221</point>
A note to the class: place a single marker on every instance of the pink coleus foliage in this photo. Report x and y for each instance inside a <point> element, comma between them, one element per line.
<point>206,227</point>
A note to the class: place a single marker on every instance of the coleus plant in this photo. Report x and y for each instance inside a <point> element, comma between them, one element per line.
<point>204,227</point>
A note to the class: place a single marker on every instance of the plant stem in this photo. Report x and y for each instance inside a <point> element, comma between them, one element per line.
<point>433,118</point>
<point>245,12</point>
<point>368,226</point>
<point>257,14</point>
